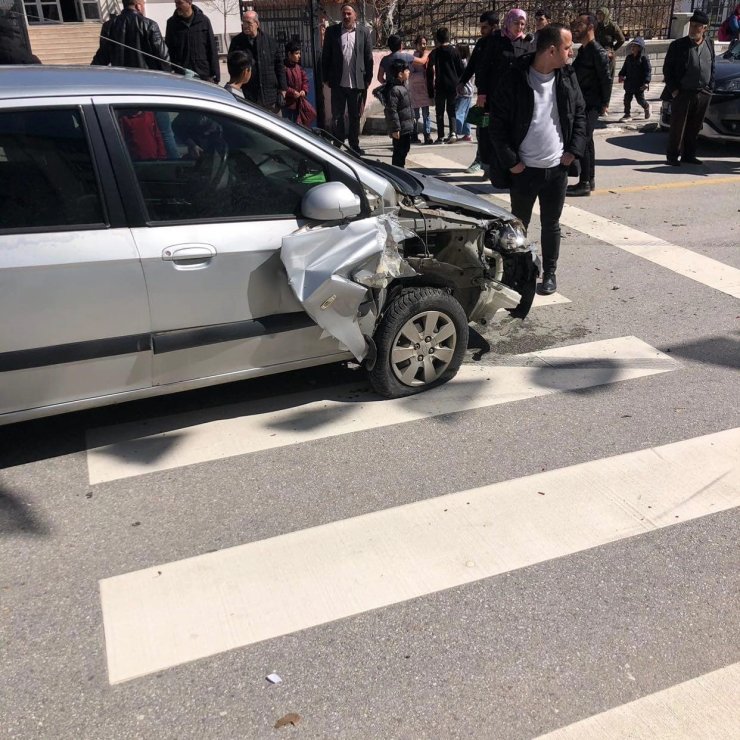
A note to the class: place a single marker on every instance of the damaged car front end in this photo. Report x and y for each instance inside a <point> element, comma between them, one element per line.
<point>399,287</point>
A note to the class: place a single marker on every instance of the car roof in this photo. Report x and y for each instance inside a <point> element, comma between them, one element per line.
<point>35,80</point>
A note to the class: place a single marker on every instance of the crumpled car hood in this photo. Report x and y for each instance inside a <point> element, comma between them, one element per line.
<point>442,193</point>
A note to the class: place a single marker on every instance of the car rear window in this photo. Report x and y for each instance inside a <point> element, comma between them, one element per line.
<point>47,178</point>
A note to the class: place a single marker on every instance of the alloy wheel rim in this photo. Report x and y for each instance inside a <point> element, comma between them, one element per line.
<point>423,348</point>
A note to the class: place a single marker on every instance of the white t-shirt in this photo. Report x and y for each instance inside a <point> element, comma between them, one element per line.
<point>348,38</point>
<point>543,145</point>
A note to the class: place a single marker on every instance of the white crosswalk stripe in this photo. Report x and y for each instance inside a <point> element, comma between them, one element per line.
<point>133,449</point>
<point>705,708</point>
<point>678,259</point>
<point>178,612</point>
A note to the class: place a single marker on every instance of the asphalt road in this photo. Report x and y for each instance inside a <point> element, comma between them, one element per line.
<point>559,615</point>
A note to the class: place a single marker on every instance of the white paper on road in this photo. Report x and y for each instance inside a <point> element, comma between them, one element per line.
<point>704,708</point>
<point>134,449</point>
<point>170,614</point>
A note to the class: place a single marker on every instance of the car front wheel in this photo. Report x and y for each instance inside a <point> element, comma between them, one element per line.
<point>421,342</point>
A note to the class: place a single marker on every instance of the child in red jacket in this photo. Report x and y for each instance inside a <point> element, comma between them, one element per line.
<point>297,81</point>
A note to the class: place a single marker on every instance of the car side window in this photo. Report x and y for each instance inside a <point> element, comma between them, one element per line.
<point>193,165</point>
<point>47,178</point>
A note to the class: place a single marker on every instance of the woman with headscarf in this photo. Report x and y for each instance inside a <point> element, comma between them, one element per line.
<point>609,35</point>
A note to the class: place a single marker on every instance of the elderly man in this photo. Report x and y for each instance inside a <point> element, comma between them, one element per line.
<point>347,67</point>
<point>538,128</point>
<point>268,73</point>
<point>191,42</point>
<point>688,72</point>
<point>592,69</point>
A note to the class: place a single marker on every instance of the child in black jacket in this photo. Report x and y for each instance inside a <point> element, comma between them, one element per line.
<point>399,115</point>
<point>635,74</point>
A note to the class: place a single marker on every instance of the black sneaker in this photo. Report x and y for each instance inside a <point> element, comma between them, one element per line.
<point>592,185</point>
<point>673,161</point>
<point>691,160</point>
<point>583,188</point>
<point>548,285</point>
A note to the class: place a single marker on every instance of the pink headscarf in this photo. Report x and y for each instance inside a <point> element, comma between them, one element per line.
<point>513,14</point>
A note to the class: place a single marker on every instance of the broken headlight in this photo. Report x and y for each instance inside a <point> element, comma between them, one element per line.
<point>510,236</point>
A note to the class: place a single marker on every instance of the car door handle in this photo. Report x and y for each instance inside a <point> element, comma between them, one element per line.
<point>189,253</point>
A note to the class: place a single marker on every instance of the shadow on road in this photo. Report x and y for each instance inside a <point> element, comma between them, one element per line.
<point>17,517</point>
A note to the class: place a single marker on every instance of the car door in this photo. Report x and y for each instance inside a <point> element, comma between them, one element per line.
<point>72,292</point>
<point>218,190</point>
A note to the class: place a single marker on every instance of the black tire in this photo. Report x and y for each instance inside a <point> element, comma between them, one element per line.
<point>395,378</point>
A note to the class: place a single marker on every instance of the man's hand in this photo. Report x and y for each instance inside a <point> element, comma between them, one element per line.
<point>620,80</point>
<point>567,159</point>
<point>395,135</point>
<point>674,94</point>
<point>517,169</point>
<point>604,110</point>
<point>481,101</point>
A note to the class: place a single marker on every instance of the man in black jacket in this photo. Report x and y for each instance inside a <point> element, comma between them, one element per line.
<point>592,69</point>
<point>688,72</point>
<point>347,67</point>
<point>191,42</point>
<point>131,40</point>
<point>268,71</point>
<point>538,128</point>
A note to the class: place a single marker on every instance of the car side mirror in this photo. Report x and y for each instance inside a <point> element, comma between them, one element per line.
<point>330,201</point>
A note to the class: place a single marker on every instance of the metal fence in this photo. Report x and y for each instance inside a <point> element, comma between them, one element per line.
<point>717,10</point>
<point>650,19</point>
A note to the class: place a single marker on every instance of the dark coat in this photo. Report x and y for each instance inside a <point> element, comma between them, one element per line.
<point>263,86</point>
<point>141,36</point>
<point>399,115</point>
<point>512,107</point>
<point>13,48</point>
<point>332,60</point>
<point>478,60</point>
<point>636,72</point>
<point>676,62</point>
<point>502,52</point>
<point>594,77</point>
<point>444,70</point>
<point>193,46</point>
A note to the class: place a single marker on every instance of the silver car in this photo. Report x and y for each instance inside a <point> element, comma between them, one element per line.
<point>158,235</point>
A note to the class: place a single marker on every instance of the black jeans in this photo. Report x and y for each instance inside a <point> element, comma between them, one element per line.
<point>442,101</point>
<point>401,147</point>
<point>588,160</point>
<point>687,116</point>
<point>349,99</point>
<point>549,186</point>
<point>639,96</point>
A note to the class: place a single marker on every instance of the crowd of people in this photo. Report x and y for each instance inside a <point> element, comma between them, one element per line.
<point>536,107</point>
<point>540,105</point>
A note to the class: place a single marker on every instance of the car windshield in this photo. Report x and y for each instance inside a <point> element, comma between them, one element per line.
<point>733,52</point>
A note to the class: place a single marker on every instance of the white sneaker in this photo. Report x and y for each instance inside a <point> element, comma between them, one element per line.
<point>451,139</point>
<point>647,111</point>
<point>625,117</point>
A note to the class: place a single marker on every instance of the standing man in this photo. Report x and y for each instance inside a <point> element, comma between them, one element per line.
<point>478,67</point>
<point>538,127</point>
<point>592,69</point>
<point>191,42</point>
<point>131,40</point>
<point>347,67</point>
<point>542,18</point>
<point>688,72</point>
<point>268,80</point>
<point>609,35</point>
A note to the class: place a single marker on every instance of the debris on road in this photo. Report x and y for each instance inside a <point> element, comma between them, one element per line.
<point>290,719</point>
<point>274,678</point>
